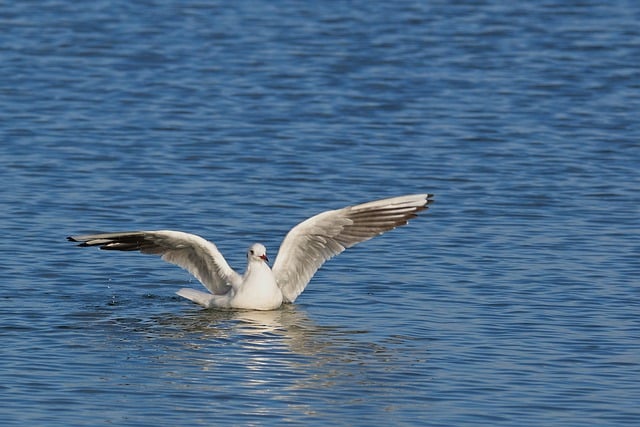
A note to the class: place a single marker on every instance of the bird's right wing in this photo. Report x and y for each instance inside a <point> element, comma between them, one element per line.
<point>312,242</point>
<point>193,253</point>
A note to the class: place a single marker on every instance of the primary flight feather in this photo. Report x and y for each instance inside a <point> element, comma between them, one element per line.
<point>305,248</point>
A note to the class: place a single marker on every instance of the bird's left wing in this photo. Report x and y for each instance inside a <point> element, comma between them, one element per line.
<point>312,242</point>
<point>193,253</point>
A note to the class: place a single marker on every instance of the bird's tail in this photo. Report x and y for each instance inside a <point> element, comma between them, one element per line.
<point>203,298</point>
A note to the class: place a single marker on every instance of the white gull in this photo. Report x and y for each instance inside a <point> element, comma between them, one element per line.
<point>303,251</point>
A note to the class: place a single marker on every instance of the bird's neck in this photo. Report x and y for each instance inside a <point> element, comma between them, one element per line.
<point>254,267</point>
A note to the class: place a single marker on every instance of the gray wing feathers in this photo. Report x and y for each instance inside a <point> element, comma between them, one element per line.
<point>193,253</point>
<point>314,241</point>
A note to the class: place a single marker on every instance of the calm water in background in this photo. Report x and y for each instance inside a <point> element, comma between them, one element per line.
<point>515,300</point>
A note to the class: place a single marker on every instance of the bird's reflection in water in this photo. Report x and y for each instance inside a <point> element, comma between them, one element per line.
<point>288,328</point>
<point>247,353</point>
<point>283,333</point>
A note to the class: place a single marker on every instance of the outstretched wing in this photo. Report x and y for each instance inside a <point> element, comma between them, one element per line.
<point>193,253</point>
<point>314,241</point>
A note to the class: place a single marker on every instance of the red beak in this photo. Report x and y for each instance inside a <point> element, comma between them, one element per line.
<point>264,258</point>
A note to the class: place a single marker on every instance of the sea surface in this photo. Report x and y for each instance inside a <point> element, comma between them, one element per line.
<point>513,301</point>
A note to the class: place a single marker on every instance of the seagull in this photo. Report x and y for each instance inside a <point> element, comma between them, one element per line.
<point>303,251</point>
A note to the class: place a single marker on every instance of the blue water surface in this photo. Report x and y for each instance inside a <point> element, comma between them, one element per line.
<point>514,300</point>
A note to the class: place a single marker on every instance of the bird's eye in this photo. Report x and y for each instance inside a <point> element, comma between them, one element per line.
<point>251,252</point>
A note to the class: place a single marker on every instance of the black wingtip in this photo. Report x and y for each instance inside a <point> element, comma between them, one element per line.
<point>81,243</point>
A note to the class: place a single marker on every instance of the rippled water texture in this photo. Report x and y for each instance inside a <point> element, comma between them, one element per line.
<point>513,301</point>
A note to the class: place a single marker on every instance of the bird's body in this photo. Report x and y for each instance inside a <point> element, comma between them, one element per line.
<point>258,289</point>
<point>305,248</point>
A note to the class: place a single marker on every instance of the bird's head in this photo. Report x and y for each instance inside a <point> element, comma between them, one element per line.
<point>256,252</point>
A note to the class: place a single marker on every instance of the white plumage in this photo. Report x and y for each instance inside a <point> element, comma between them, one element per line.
<point>303,251</point>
